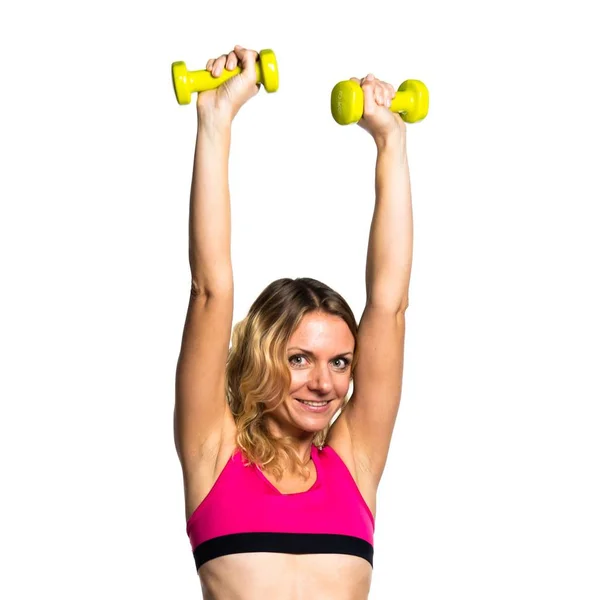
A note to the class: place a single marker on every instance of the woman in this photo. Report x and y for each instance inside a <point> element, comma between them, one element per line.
<point>280,494</point>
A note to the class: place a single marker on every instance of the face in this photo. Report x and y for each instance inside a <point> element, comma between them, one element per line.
<point>319,356</point>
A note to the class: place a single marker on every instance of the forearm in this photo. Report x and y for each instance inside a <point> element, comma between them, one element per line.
<point>210,212</point>
<point>389,256</point>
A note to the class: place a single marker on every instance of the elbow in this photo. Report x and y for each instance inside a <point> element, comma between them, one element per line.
<point>389,306</point>
<point>402,306</point>
<point>202,289</point>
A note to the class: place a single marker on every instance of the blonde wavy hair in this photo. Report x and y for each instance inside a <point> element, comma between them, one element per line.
<point>257,372</point>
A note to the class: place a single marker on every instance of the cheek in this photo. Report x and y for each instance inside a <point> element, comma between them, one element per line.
<point>298,379</point>
<point>342,387</point>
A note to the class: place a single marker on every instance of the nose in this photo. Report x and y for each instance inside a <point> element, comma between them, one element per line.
<point>320,379</point>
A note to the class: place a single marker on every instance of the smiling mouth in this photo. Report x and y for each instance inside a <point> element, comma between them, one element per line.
<point>312,402</point>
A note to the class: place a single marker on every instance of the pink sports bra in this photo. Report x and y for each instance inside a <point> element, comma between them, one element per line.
<point>244,512</point>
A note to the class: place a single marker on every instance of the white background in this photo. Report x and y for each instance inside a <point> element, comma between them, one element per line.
<point>491,486</point>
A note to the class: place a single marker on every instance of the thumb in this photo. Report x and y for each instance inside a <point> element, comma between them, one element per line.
<point>247,59</point>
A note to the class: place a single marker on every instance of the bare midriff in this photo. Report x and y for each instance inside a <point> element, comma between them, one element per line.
<point>267,575</point>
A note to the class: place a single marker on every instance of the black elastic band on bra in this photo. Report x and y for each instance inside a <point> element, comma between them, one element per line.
<point>285,543</point>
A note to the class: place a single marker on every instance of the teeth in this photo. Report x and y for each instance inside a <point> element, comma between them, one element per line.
<point>313,403</point>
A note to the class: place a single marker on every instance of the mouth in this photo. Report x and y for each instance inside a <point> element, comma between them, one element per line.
<point>312,405</point>
<point>314,401</point>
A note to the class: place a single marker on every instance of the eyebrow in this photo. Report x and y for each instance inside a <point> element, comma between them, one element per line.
<point>309,353</point>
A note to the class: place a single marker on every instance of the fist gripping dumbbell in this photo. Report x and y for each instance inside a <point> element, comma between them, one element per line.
<point>185,82</point>
<point>411,101</point>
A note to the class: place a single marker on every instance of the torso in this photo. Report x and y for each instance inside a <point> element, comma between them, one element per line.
<point>258,575</point>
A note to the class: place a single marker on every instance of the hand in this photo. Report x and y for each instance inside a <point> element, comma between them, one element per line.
<point>225,101</point>
<point>377,117</point>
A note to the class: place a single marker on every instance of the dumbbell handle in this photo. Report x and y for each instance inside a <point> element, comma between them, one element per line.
<point>200,81</point>
<point>402,102</point>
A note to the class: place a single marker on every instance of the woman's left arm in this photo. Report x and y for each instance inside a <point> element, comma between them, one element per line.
<point>370,415</point>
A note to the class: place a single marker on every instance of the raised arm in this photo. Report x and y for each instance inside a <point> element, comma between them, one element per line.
<point>372,411</point>
<point>210,212</point>
<point>200,403</point>
<point>390,250</point>
<point>201,412</point>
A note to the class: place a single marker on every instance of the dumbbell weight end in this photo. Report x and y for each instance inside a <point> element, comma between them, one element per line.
<point>411,101</point>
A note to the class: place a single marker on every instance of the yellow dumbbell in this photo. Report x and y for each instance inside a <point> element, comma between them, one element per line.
<point>185,82</point>
<point>411,101</point>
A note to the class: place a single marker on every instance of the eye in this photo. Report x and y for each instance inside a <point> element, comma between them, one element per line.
<point>345,361</point>
<point>291,359</point>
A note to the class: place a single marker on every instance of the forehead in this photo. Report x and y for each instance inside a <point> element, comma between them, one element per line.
<point>322,331</point>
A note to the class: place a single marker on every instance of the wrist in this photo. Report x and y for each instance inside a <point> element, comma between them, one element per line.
<point>394,139</point>
<point>213,125</point>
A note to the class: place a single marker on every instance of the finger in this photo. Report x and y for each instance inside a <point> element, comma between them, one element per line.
<point>386,94</point>
<point>369,100</point>
<point>232,61</point>
<point>378,94</point>
<point>377,90</point>
<point>370,78</point>
<point>218,65</point>
<point>209,64</point>
<point>390,92</point>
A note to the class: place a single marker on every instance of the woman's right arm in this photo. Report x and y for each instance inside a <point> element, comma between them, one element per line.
<point>202,415</point>
<point>200,401</point>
